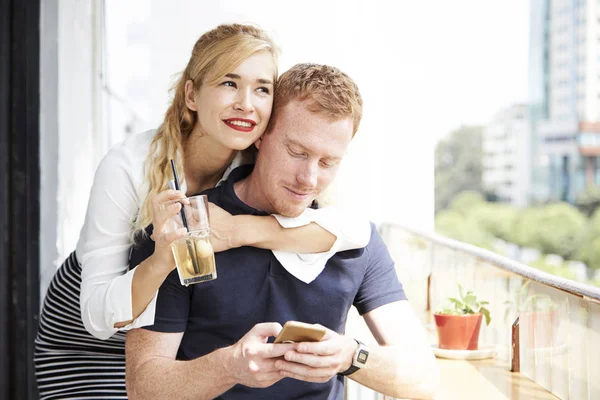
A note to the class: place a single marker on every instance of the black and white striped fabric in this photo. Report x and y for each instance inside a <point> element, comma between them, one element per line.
<point>69,362</point>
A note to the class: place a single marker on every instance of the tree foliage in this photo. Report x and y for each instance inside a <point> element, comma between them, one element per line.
<point>588,200</point>
<point>455,225</point>
<point>561,229</point>
<point>467,201</point>
<point>497,219</point>
<point>589,251</point>
<point>525,229</point>
<point>458,164</point>
<point>557,228</point>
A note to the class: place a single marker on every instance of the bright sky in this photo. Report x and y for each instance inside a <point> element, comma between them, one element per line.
<point>424,68</point>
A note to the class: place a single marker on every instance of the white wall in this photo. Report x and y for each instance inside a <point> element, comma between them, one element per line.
<point>81,144</point>
<point>72,139</point>
<point>48,141</point>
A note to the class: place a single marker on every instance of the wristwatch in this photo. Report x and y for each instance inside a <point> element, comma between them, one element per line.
<point>359,360</point>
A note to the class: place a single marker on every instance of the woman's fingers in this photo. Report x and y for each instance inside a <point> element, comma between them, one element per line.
<point>173,236</point>
<point>164,215</point>
<point>160,219</point>
<point>165,196</point>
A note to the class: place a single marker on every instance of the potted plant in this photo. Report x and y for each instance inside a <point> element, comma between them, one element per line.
<point>458,323</point>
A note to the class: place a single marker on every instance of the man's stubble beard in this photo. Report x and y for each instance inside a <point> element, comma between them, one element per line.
<point>287,210</point>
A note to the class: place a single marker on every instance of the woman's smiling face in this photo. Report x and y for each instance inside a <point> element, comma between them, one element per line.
<point>235,111</point>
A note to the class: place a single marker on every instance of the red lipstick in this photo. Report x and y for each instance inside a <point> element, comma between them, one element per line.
<point>240,124</point>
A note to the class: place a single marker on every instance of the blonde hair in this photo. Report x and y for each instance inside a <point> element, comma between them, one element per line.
<point>215,54</point>
<point>327,89</point>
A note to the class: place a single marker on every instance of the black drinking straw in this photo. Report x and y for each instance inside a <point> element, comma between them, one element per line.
<point>177,187</point>
<point>184,220</point>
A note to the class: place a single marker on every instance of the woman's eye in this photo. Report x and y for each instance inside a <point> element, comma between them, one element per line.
<point>229,83</point>
<point>264,90</point>
<point>327,164</point>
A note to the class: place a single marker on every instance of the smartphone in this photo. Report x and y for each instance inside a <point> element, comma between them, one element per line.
<point>294,331</point>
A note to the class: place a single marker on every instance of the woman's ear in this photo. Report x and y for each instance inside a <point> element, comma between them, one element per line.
<point>190,95</point>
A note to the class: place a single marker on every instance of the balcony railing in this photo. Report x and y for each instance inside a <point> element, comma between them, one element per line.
<point>556,321</point>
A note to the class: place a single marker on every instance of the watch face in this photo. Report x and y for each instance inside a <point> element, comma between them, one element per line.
<point>362,356</point>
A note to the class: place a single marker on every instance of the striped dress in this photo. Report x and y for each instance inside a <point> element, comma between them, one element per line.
<point>69,362</point>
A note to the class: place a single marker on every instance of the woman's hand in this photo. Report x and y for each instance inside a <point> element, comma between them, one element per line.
<point>162,258</point>
<point>223,229</point>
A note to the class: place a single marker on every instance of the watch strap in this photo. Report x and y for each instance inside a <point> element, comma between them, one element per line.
<point>354,367</point>
<point>349,371</point>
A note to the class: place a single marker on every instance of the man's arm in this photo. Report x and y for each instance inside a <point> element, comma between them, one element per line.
<point>154,373</point>
<point>402,365</point>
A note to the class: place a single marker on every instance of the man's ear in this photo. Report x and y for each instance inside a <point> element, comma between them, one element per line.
<point>190,95</point>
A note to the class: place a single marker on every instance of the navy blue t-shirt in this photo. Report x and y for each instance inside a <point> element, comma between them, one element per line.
<point>252,287</point>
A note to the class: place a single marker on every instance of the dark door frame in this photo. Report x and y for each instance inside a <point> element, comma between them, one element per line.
<point>19,195</point>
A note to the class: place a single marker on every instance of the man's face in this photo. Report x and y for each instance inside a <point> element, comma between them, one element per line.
<point>299,158</point>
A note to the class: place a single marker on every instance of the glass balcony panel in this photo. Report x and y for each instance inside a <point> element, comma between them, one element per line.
<point>559,320</point>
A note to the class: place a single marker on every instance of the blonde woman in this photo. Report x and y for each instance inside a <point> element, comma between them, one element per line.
<point>222,104</point>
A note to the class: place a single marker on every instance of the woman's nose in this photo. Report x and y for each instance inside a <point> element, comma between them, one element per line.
<point>244,101</point>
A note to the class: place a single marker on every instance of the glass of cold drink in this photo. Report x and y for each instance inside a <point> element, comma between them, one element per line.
<point>194,255</point>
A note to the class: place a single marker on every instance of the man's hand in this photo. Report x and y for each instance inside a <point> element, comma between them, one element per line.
<point>253,359</point>
<point>319,361</point>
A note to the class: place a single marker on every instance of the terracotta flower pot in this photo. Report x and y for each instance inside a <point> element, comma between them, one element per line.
<point>458,332</point>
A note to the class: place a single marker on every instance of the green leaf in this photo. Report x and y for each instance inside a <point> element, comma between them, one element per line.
<point>471,300</point>
<point>448,311</point>
<point>486,314</point>
<point>466,304</point>
<point>457,303</point>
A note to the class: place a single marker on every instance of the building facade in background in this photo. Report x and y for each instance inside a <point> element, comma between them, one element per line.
<point>506,143</point>
<point>564,83</point>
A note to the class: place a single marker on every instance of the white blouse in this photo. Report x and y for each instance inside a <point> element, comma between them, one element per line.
<point>117,194</point>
